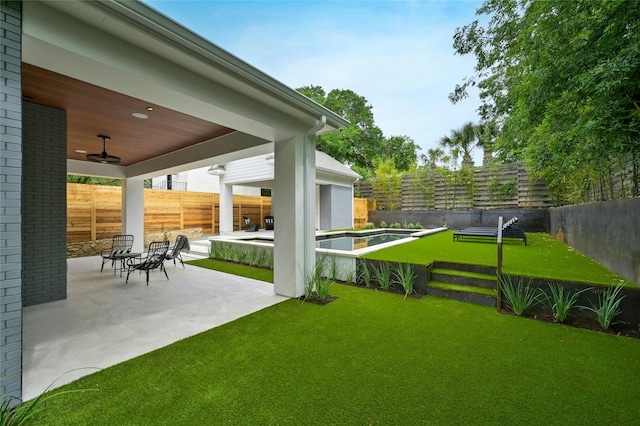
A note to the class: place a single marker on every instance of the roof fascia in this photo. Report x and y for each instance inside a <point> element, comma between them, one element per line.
<point>175,34</point>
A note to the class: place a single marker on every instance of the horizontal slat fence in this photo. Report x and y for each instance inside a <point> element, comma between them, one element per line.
<point>94,212</point>
<point>504,186</point>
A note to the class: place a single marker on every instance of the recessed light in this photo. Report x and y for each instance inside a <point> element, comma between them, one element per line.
<point>149,108</point>
<point>81,151</point>
<point>140,115</point>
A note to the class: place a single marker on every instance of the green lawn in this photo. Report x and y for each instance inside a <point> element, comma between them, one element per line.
<point>374,358</point>
<point>542,257</point>
<point>369,358</point>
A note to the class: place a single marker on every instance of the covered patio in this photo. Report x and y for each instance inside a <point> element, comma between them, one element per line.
<point>166,100</point>
<point>104,321</point>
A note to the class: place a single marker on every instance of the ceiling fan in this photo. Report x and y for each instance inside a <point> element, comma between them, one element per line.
<point>104,157</point>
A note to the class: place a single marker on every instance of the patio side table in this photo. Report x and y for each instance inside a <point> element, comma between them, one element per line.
<point>123,260</point>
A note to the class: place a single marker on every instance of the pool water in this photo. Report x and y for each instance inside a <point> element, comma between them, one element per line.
<point>350,243</point>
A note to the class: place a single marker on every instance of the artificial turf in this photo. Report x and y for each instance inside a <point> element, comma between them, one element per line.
<point>542,257</point>
<point>368,358</point>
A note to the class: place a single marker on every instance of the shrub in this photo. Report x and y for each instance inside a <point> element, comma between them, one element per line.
<point>364,274</point>
<point>323,285</point>
<point>520,297</point>
<point>419,226</point>
<point>404,276</point>
<point>383,224</point>
<point>560,301</point>
<point>350,276</point>
<point>315,282</point>
<point>394,225</point>
<point>608,306</point>
<point>369,225</point>
<point>383,275</point>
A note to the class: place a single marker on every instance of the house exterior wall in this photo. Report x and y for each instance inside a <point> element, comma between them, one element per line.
<point>44,208</point>
<point>10,202</point>
<point>336,207</point>
<point>198,180</point>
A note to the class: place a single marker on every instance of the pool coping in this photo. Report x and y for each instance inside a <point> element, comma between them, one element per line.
<point>268,239</point>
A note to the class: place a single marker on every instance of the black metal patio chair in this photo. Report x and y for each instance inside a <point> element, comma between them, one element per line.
<point>175,251</point>
<point>154,260</point>
<point>119,244</point>
<point>268,223</point>
<point>251,227</point>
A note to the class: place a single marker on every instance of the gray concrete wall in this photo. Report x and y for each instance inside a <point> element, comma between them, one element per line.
<point>10,193</point>
<point>336,207</point>
<point>608,232</point>
<point>530,220</point>
<point>44,209</point>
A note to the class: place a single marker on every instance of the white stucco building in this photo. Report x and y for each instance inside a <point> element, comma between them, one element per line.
<point>333,188</point>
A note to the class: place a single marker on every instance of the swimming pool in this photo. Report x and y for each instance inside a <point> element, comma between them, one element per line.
<point>340,249</point>
<point>348,242</point>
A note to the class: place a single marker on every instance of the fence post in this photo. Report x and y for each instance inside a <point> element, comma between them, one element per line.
<point>93,224</point>
<point>499,269</point>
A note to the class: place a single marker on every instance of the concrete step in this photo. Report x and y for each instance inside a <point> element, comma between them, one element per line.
<point>472,279</point>
<point>463,293</point>
<point>199,247</point>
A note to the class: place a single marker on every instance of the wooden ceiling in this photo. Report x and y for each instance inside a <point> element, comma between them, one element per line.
<point>93,111</point>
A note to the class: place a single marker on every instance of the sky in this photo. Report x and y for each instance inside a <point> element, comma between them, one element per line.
<point>398,55</point>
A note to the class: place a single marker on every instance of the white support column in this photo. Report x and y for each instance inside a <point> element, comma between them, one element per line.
<point>226,208</point>
<point>294,201</point>
<point>133,212</point>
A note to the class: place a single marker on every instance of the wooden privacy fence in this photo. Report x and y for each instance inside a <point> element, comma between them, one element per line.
<point>94,212</point>
<point>504,186</point>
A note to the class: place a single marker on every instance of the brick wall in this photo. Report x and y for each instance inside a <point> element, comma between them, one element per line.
<point>44,212</point>
<point>10,192</point>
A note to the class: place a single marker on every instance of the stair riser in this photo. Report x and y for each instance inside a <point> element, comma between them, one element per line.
<point>478,299</point>
<point>478,269</point>
<point>456,279</point>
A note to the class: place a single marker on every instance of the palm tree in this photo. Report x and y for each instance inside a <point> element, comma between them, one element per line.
<point>462,139</point>
<point>433,156</point>
<point>486,134</point>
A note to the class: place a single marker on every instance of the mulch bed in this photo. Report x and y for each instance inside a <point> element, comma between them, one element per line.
<point>581,322</point>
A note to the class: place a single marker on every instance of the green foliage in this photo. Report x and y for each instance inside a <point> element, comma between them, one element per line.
<point>419,226</point>
<point>315,283</point>
<point>383,275</point>
<point>462,139</point>
<point>383,224</point>
<point>237,253</point>
<point>560,301</point>
<point>369,225</point>
<point>387,186</point>
<point>362,144</point>
<point>501,191</point>
<point>364,273</point>
<point>520,297</point>
<point>14,412</point>
<point>404,277</point>
<point>395,225</point>
<point>563,79</point>
<point>350,276</point>
<point>608,306</point>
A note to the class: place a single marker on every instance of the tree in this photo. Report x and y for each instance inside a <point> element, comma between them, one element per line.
<point>464,140</point>
<point>433,156</point>
<point>402,150</point>
<point>486,134</point>
<point>563,81</point>
<point>362,144</point>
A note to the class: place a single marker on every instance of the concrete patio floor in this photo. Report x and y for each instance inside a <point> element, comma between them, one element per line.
<point>104,322</point>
